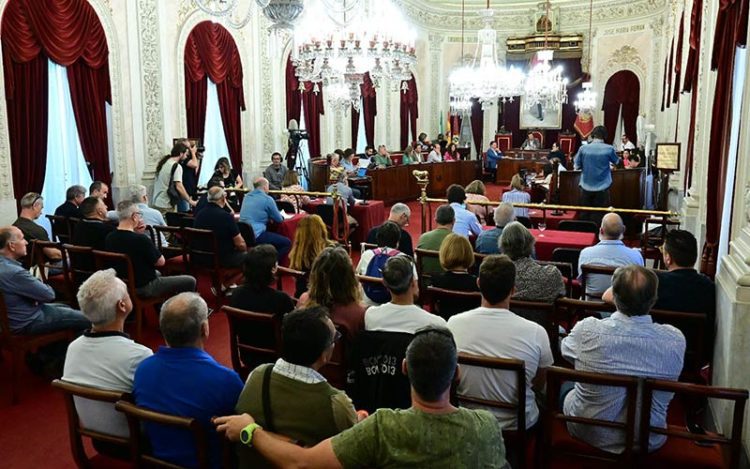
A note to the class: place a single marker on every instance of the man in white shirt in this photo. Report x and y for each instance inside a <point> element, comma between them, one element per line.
<point>492,330</point>
<point>626,143</point>
<point>104,357</point>
<point>609,251</point>
<point>400,314</point>
<point>435,156</point>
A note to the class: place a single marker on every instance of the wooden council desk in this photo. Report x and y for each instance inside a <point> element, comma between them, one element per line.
<point>397,184</point>
<point>515,160</point>
<point>626,190</point>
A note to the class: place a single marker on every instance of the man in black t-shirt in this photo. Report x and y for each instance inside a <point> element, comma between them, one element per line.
<point>232,247</point>
<point>94,228</point>
<point>190,169</point>
<point>129,239</point>
<point>73,198</point>
<point>32,205</point>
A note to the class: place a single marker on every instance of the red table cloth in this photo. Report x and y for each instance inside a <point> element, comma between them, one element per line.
<point>552,220</point>
<point>368,216</point>
<point>551,239</point>
<point>288,227</point>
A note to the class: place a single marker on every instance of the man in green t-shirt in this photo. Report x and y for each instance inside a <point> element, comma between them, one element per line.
<point>445,217</point>
<point>432,433</point>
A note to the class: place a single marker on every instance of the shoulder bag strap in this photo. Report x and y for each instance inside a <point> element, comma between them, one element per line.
<point>265,396</point>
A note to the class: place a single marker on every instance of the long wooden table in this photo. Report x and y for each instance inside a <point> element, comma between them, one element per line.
<point>396,184</point>
<point>515,160</point>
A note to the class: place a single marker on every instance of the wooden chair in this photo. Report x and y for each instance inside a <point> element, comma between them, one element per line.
<point>557,442</point>
<point>651,242</point>
<point>76,430</point>
<point>297,275</point>
<point>60,282</point>
<point>591,269</point>
<point>694,328</point>
<point>335,219</point>
<point>247,233</point>
<point>566,270</point>
<point>335,371</point>
<point>180,220</point>
<point>542,313</point>
<point>175,253</point>
<point>425,278</point>
<point>140,455</point>
<point>78,263</point>
<point>19,344</point>
<point>568,311</point>
<point>106,260</point>
<point>471,299</point>
<point>60,228</point>
<point>240,319</point>
<point>203,255</point>
<point>539,135</point>
<point>685,448</point>
<point>518,438</point>
<point>568,255</point>
<point>584,226</point>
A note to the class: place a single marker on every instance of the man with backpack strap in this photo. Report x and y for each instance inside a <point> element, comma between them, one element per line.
<point>400,314</point>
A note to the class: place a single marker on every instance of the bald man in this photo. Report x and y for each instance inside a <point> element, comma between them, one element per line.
<point>610,251</point>
<point>257,209</point>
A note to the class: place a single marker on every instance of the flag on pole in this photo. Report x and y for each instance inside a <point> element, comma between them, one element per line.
<point>448,135</point>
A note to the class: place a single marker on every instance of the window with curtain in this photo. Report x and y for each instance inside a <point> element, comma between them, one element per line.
<point>66,165</point>
<point>214,138</point>
<point>304,149</point>
<point>361,135</point>
<point>738,87</point>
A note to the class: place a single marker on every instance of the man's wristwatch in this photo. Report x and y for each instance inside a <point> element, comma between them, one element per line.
<point>246,435</point>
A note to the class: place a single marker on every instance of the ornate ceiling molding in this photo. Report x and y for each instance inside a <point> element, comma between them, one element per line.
<point>519,17</point>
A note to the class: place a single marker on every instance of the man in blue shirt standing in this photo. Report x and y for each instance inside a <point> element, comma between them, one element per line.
<point>257,208</point>
<point>182,379</point>
<point>494,155</point>
<point>466,222</point>
<point>596,176</point>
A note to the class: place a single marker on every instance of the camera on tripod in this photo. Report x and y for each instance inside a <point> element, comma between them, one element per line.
<point>296,135</point>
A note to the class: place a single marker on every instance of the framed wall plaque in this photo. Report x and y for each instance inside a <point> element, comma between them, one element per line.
<point>668,156</point>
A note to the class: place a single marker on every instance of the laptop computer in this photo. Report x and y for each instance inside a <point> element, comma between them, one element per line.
<point>361,172</point>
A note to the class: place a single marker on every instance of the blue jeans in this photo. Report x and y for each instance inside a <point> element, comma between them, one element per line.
<point>183,206</point>
<point>281,243</point>
<point>57,317</point>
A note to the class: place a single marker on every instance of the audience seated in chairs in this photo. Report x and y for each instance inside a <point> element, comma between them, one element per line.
<point>488,241</point>
<point>466,222</point>
<point>534,282</point>
<point>29,303</point>
<point>258,208</point>
<point>334,286</point>
<point>231,244</point>
<point>182,379</point>
<point>610,251</point>
<point>257,295</point>
<point>456,258</point>
<point>138,194</point>
<point>290,397</point>
<point>445,217</point>
<point>400,314</point>
<point>104,357</point>
<point>93,229</point>
<point>431,433</point>
<point>492,330</point>
<point>129,239</point>
<point>475,192</point>
<point>32,205</point>
<point>310,239</point>
<point>74,195</point>
<point>517,195</point>
<point>399,214</point>
<point>626,343</point>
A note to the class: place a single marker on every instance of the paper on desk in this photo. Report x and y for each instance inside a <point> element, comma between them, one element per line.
<point>287,216</point>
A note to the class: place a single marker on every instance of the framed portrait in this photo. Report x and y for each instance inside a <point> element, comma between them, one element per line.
<point>668,156</point>
<point>540,117</point>
<point>195,141</point>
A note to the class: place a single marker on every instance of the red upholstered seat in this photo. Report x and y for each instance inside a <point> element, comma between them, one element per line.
<point>678,452</point>
<point>563,442</point>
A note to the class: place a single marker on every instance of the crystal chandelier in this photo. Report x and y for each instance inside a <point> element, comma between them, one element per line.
<point>545,85</point>
<point>335,44</point>
<point>586,101</point>
<point>485,79</point>
<point>282,13</point>
<point>344,96</point>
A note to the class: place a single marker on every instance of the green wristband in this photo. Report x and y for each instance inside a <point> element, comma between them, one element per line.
<point>246,435</point>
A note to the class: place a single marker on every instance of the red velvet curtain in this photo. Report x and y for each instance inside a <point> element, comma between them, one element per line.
<point>313,102</point>
<point>731,32</point>
<point>691,80</point>
<point>664,85</point>
<point>477,124</point>
<point>622,89</point>
<point>211,52</point>
<point>370,110</point>
<point>670,69</point>
<point>678,60</point>
<point>69,33</point>
<point>409,112</point>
